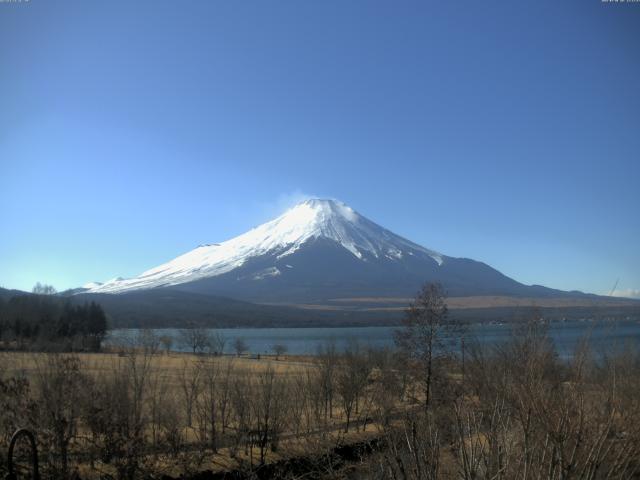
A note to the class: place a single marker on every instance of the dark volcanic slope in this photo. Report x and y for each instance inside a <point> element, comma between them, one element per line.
<point>321,270</point>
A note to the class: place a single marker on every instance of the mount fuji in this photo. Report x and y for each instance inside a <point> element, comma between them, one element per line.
<point>318,251</point>
<point>321,263</point>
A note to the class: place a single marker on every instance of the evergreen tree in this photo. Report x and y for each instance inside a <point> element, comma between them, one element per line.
<point>49,318</point>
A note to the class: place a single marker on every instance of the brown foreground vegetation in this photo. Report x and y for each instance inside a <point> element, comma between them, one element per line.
<point>141,412</point>
<point>503,412</point>
<point>515,411</point>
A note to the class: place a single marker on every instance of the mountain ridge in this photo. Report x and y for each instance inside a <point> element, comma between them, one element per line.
<point>307,221</point>
<point>318,250</point>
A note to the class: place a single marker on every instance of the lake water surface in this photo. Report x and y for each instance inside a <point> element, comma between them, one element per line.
<point>566,335</point>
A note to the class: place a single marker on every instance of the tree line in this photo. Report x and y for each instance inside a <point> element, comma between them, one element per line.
<point>44,320</point>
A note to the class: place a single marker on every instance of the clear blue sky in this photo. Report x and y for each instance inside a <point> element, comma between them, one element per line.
<point>507,132</point>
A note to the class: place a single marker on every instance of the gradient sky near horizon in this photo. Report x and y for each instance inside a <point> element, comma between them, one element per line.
<point>507,132</point>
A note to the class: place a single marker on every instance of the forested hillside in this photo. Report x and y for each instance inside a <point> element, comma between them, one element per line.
<point>43,320</point>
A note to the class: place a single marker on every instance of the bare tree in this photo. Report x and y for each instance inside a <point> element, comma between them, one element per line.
<point>59,388</point>
<point>195,339</point>
<point>352,374</point>
<point>213,401</point>
<point>299,404</point>
<point>425,327</point>
<point>148,341</point>
<point>224,393</point>
<point>159,407</point>
<point>240,346</point>
<point>167,342</point>
<point>327,358</point>
<point>240,397</point>
<point>269,408</point>
<point>190,385</point>
<point>315,410</point>
<point>386,387</point>
<point>118,419</point>
<point>413,452</point>
<point>217,343</point>
<point>279,349</point>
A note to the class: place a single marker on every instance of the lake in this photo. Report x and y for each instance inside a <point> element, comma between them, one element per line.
<point>305,341</point>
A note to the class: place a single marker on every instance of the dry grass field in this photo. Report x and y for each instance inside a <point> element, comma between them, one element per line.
<point>170,364</point>
<point>193,412</point>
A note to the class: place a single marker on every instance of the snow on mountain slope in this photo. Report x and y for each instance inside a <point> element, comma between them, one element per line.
<point>311,219</point>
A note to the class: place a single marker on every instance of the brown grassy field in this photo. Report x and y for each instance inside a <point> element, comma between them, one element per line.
<point>171,364</point>
<point>182,446</point>
<point>399,304</point>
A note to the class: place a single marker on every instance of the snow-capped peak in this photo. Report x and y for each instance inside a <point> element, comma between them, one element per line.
<point>311,219</point>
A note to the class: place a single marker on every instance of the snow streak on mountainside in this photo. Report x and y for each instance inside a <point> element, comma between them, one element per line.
<point>310,220</point>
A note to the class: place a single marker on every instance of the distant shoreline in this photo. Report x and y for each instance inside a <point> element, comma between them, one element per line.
<point>306,341</point>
